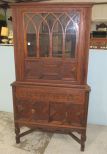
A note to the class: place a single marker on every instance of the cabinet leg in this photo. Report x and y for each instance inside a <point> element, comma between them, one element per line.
<point>17,132</point>
<point>83,139</point>
<point>82,147</point>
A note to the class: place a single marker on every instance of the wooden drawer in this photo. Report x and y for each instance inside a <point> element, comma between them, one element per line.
<point>48,94</point>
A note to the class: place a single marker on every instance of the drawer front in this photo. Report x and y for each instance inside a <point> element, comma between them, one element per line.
<point>51,93</point>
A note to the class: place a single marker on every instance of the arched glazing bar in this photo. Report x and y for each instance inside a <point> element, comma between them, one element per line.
<point>30,37</point>
<point>53,34</point>
<point>43,37</point>
<point>71,38</point>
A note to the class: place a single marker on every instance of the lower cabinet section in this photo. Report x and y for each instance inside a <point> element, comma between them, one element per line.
<point>67,106</point>
<point>51,108</point>
<point>64,113</point>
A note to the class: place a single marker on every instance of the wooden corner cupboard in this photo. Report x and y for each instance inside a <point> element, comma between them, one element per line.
<point>51,43</point>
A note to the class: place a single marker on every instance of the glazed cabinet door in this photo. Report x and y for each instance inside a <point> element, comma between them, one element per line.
<point>52,43</point>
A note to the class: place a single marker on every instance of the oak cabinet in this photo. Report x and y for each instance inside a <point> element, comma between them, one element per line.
<point>51,58</point>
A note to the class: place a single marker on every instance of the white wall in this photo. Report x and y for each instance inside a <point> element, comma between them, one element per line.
<point>97,79</point>
<point>99,12</point>
<point>7,76</point>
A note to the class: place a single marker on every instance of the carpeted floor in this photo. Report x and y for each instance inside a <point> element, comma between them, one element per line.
<point>47,143</point>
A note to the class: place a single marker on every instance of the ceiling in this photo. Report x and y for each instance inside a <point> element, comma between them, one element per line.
<point>18,1</point>
<point>7,2</point>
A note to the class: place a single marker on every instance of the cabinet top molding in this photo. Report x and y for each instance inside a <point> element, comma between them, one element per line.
<point>47,4</point>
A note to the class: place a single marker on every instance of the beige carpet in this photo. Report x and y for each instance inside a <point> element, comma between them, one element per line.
<point>47,143</point>
<point>35,143</point>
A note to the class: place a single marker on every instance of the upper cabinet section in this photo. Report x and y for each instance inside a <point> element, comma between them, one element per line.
<point>52,41</point>
<point>53,34</point>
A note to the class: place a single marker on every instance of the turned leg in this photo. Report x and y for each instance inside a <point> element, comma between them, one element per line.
<point>17,131</point>
<point>83,139</point>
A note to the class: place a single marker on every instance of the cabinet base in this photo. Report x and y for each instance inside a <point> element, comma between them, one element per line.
<point>80,140</point>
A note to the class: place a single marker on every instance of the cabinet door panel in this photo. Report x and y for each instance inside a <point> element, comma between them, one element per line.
<point>40,110</point>
<point>23,109</point>
<point>52,36</point>
<point>66,113</point>
<point>75,114</point>
<point>58,112</point>
<point>29,110</point>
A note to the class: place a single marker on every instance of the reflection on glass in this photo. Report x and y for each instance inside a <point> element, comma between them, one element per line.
<point>44,40</point>
<point>57,40</point>
<point>31,40</point>
<point>70,40</point>
<point>64,20</point>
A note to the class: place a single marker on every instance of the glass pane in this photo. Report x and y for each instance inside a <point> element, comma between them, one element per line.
<point>37,19</point>
<point>31,40</point>
<point>26,19</point>
<point>44,40</point>
<point>70,40</point>
<point>75,15</point>
<point>57,40</point>
<point>57,28</point>
<point>64,19</point>
<point>50,20</point>
<point>57,45</point>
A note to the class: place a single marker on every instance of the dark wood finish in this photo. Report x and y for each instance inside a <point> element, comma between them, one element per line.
<point>51,92</point>
<point>101,26</point>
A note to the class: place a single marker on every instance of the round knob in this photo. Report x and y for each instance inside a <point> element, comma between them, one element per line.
<point>33,110</point>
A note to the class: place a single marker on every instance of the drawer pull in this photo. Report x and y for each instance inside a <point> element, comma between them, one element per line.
<point>33,111</point>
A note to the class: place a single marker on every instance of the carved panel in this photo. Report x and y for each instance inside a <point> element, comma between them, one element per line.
<point>66,113</point>
<point>50,69</point>
<point>69,71</point>
<point>33,69</point>
<point>27,109</point>
<point>23,109</point>
<point>40,110</point>
<point>75,114</point>
<point>58,112</point>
